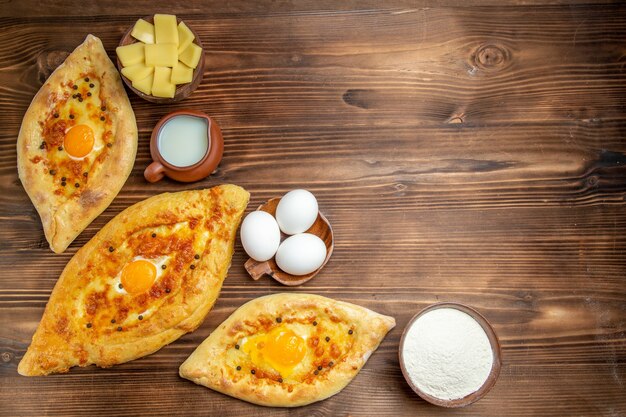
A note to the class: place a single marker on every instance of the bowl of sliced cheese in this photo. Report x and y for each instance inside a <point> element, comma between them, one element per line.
<point>161,59</point>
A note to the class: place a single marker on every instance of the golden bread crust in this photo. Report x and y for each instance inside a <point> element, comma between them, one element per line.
<point>65,216</point>
<point>326,369</point>
<point>91,319</point>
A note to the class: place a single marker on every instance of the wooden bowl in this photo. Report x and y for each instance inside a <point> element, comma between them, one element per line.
<point>321,228</point>
<point>495,367</point>
<point>183,90</point>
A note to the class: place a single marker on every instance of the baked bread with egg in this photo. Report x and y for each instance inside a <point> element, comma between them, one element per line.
<point>287,350</point>
<point>146,278</point>
<point>77,143</point>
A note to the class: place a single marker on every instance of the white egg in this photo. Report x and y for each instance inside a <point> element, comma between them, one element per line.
<point>301,254</point>
<point>296,211</point>
<point>260,235</point>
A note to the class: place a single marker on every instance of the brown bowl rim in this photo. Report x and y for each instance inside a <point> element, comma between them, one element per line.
<point>198,72</point>
<point>495,347</point>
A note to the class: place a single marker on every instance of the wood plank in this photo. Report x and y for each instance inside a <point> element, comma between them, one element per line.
<point>432,73</point>
<point>65,8</point>
<point>472,154</point>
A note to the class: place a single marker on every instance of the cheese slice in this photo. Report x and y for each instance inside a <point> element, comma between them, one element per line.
<point>143,31</point>
<point>161,85</point>
<point>131,54</point>
<point>145,85</point>
<point>185,37</point>
<point>161,55</point>
<point>165,28</point>
<point>181,74</point>
<point>137,71</point>
<point>191,55</point>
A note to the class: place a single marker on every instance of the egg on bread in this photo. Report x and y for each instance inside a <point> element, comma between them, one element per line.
<point>287,350</point>
<point>146,278</point>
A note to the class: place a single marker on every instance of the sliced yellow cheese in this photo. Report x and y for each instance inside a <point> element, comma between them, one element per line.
<point>191,55</point>
<point>137,71</point>
<point>181,74</point>
<point>161,55</point>
<point>185,37</point>
<point>161,85</point>
<point>145,84</point>
<point>131,54</point>
<point>165,28</point>
<point>143,31</point>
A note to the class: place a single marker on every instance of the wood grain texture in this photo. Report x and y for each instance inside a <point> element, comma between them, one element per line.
<point>474,154</point>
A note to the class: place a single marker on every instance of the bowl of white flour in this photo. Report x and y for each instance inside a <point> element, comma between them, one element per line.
<point>450,355</point>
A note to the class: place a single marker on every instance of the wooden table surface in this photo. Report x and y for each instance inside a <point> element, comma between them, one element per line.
<point>472,154</point>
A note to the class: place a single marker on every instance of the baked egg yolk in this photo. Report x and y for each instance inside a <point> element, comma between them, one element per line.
<point>280,348</point>
<point>138,276</point>
<point>78,141</point>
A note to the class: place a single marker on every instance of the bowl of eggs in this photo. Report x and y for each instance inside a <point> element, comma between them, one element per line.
<point>287,238</point>
<point>161,59</point>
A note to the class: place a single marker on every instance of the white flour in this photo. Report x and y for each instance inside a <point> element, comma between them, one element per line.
<point>447,354</point>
